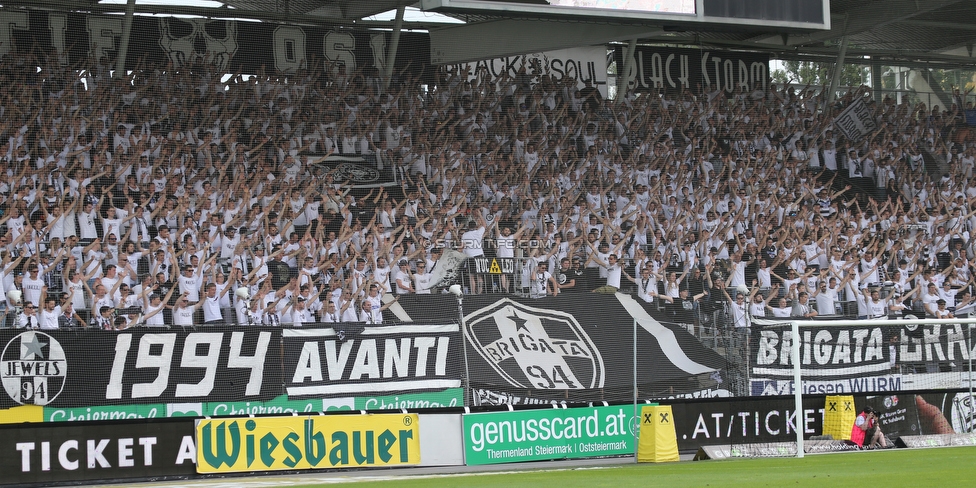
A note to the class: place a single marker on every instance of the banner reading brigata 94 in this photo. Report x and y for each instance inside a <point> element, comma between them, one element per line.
<point>571,349</point>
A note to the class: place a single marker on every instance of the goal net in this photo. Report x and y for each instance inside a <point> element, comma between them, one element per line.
<point>809,380</point>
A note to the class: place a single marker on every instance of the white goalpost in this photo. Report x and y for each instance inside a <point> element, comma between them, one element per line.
<point>939,338</point>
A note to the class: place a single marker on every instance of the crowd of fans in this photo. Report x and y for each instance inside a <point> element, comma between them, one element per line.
<point>151,198</point>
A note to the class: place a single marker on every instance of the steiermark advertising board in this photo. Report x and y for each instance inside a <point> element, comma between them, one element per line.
<point>533,435</point>
<point>281,405</point>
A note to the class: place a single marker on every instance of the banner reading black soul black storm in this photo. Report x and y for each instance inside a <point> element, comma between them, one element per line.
<point>856,121</point>
<point>87,368</point>
<point>370,360</point>
<point>524,351</point>
<point>674,69</point>
<point>80,451</point>
<point>234,46</point>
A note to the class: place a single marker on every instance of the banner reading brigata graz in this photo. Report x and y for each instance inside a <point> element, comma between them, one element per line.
<point>570,349</point>
<point>852,352</point>
<point>233,46</point>
<point>675,69</point>
<point>80,451</point>
<point>307,442</point>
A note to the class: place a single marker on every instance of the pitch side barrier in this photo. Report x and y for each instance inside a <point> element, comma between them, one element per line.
<point>38,454</point>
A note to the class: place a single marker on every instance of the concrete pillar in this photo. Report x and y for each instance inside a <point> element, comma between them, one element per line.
<point>130,9</point>
<point>394,45</point>
<point>838,66</point>
<point>622,71</point>
<point>876,81</point>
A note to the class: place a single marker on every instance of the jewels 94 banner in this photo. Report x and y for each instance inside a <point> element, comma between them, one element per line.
<point>86,368</point>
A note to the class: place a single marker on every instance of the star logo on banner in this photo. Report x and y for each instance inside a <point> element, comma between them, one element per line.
<point>33,345</point>
<point>519,322</point>
<point>33,368</point>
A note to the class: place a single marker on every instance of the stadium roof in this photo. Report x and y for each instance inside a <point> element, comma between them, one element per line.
<point>897,32</point>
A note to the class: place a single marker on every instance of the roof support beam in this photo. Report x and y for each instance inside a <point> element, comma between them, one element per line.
<point>392,51</point>
<point>838,67</point>
<point>496,39</point>
<point>130,8</point>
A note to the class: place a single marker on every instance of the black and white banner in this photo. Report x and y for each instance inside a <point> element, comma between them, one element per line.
<point>233,46</point>
<point>674,70</point>
<point>856,121</point>
<point>586,65</point>
<point>745,420</point>
<point>839,352</point>
<point>325,362</point>
<point>353,171</point>
<point>492,266</point>
<point>88,451</point>
<point>524,351</point>
<point>87,368</point>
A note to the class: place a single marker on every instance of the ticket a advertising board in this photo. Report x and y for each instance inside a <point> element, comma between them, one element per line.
<point>87,451</point>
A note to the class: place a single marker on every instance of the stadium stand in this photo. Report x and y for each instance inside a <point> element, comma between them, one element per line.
<point>135,195</point>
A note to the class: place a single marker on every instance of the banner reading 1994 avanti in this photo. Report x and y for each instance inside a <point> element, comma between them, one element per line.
<point>306,442</point>
<point>532,435</point>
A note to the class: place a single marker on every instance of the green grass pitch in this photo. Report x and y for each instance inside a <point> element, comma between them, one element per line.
<point>891,468</point>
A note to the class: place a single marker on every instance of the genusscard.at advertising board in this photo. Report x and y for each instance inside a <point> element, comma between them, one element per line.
<point>532,435</point>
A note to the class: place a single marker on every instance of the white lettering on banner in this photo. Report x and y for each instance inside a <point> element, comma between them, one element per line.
<point>162,362</point>
<point>377,42</point>
<point>58,25</point>
<point>554,355</point>
<point>482,435</point>
<point>364,364</point>
<point>754,424</point>
<point>672,70</point>
<point>338,48</point>
<point>838,352</point>
<point>369,363</point>
<point>10,20</point>
<point>33,368</point>
<point>69,415</point>
<point>289,48</point>
<point>102,32</point>
<point>585,64</point>
<point>765,387</point>
<point>188,451</point>
<point>69,455</point>
<point>856,121</point>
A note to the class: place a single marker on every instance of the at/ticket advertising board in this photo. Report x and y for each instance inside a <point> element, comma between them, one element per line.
<point>533,435</point>
<point>307,442</point>
<point>89,451</point>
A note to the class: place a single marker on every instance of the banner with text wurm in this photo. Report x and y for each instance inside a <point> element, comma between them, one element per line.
<point>533,435</point>
<point>307,442</point>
